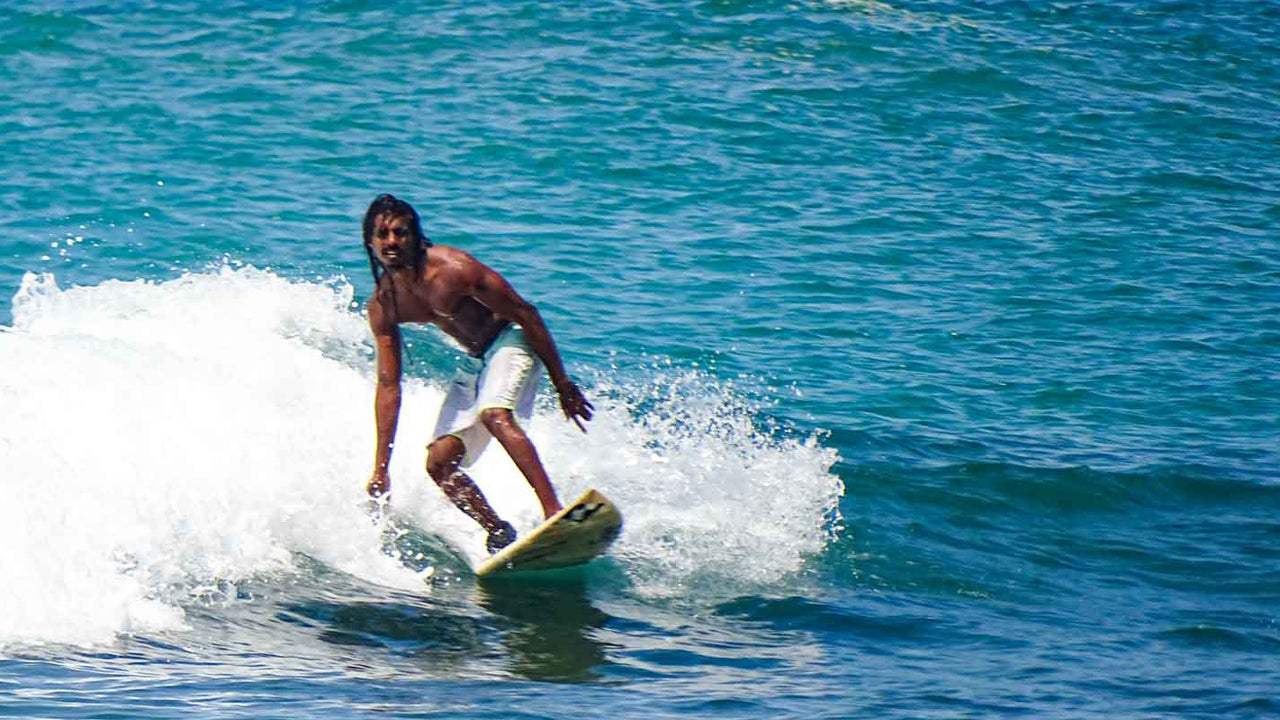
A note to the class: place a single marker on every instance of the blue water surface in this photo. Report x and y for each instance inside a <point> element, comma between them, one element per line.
<point>1016,263</point>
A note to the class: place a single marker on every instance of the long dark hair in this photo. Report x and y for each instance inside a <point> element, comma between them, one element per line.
<point>392,207</point>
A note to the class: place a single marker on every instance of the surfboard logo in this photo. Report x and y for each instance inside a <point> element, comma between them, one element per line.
<point>583,511</point>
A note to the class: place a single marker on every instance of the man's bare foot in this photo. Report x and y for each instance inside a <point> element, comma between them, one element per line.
<point>500,538</point>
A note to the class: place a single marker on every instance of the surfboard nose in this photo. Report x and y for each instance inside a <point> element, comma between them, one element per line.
<point>573,536</point>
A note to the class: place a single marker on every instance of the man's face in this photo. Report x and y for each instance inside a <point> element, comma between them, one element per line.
<point>393,242</point>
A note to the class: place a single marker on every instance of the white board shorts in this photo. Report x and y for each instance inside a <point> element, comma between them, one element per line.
<point>506,377</point>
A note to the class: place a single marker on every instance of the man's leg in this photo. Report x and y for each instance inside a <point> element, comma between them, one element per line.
<point>443,457</point>
<point>502,425</point>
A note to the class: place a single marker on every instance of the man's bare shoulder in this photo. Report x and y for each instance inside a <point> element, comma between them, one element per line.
<point>379,321</point>
<point>451,255</point>
<point>451,264</point>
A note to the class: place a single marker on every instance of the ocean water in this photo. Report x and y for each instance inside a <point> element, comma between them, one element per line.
<point>935,347</point>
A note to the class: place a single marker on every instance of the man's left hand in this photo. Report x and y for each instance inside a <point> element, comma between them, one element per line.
<point>574,404</point>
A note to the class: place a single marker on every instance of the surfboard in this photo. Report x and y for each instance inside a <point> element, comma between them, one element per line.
<point>582,530</point>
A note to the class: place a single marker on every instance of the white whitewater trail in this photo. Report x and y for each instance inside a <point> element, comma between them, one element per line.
<point>159,439</point>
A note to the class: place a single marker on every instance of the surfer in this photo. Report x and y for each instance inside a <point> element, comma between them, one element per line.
<point>493,391</point>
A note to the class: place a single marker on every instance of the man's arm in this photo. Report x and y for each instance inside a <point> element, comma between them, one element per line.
<point>386,400</point>
<point>497,294</point>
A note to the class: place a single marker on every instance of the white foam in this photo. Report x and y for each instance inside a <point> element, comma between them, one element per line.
<point>710,497</point>
<point>162,439</point>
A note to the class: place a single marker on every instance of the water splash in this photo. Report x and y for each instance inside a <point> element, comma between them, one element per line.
<point>712,494</point>
<point>163,437</point>
<point>165,441</point>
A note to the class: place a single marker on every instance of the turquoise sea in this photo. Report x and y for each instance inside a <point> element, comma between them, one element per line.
<point>935,343</point>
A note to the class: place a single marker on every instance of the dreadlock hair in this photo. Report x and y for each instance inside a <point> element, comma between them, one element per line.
<point>392,207</point>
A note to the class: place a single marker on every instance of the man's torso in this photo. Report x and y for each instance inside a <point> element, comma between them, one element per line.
<point>439,295</point>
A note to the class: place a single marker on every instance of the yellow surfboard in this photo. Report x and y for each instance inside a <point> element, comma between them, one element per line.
<point>573,536</point>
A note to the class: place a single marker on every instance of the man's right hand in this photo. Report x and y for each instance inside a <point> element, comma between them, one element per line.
<point>379,485</point>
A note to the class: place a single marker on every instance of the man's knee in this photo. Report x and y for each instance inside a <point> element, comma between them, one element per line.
<point>497,419</point>
<point>443,456</point>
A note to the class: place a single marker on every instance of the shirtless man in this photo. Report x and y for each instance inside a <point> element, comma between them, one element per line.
<point>418,282</point>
